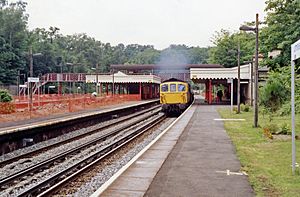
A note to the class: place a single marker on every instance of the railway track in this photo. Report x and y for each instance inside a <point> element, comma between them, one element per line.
<point>56,144</point>
<point>78,167</point>
<point>15,177</point>
<point>88,162</point>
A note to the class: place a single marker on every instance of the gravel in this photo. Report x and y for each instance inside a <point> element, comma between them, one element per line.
<point>109,170</point>
<point>29,181</point>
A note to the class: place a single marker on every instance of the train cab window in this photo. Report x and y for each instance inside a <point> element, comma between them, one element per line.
<point>165,88</point>
<point>181,88</point>
<point>172,87</point>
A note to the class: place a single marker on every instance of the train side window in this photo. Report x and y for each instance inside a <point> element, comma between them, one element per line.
<point>172,87</point>
<point>165,88</point>
<point>181,88</point>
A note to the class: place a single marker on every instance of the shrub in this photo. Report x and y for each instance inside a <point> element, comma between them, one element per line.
<point>272,128</point>
<point>242,107</point>
<point>267,133</point>
<point>245,108</point>
<point>6,107</point>
<point>286,108</point>
<point>284,129</point>
<point>5,96</point>
<point>235,109</point>
<point>276,91</point>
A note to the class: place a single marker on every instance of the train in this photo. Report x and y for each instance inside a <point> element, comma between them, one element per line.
<point>175,96</point>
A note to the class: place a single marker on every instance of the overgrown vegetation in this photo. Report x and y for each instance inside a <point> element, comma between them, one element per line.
<point>5,96</point>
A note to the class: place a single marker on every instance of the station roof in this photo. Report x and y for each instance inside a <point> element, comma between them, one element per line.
<point>221,73</point>
<point>162,66</point>
<point>120,77</point>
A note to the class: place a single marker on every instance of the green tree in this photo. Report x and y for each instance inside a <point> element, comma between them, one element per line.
<point>198,55</point>
<point>13,22</point>
<point>283,29</point>
<point>226,44</point>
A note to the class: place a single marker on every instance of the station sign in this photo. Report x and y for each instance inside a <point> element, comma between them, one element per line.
<point>33,79</point>
<point>295,50</point>
<point>23,86</point>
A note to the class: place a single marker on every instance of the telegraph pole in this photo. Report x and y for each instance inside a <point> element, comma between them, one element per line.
<point>97,81</point>
<point>239,81</point>
<point>31,75</point>
<point>256,74</point>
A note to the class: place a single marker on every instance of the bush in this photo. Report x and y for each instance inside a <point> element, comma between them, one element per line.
<point>286,108</point>
<point>267,133</point>
<point>245,108</point>
<point>284,129</point>
<point>5,96</point>
<point>272,128</point>
<point>276,91</point>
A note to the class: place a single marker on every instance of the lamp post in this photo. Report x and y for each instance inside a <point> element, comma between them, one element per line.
<point>113,82</point>
<point>255,30</point>
<point>73,70</point>
<point>239,80</point>
<point>31,75</point>
<point>18,84</point>
<point>97,81</point>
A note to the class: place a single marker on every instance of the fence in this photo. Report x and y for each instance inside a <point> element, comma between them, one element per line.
<point>46,105</point>
<point>72,101</point>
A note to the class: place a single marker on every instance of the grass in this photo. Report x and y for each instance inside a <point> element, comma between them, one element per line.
<point>267,162</point>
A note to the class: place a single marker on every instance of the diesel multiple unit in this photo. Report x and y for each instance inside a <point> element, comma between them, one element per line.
<point>175,96</point>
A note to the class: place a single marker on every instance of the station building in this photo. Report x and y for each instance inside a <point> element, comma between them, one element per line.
<point>142,80</point>
<point>213,76</point>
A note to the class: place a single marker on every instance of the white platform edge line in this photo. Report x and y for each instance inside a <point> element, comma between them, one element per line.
<point>13,129</point>
<point>228,119</point>
<point>124,168</point>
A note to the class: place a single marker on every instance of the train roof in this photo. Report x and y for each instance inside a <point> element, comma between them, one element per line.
<point>173,79</point>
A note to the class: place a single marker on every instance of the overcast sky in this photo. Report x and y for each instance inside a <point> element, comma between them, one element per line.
<point>155,22</point>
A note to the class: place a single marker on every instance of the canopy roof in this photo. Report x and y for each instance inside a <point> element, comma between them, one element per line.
<point>120,77</point>
<point>221,73</point>
<point>161,66</point>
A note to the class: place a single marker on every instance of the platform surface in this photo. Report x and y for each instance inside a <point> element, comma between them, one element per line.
<point>195,158</point>
<point>14,126</point>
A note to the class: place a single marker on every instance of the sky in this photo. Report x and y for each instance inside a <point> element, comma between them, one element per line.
<point>147,22</point>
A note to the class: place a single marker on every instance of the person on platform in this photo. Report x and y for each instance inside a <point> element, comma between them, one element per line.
<point>220,95</point>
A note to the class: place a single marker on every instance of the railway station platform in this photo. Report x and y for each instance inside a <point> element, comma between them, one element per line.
<point>194,157</point>
<point>16,126</point>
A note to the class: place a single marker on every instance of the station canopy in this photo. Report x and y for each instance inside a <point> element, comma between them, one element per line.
<point>121,77</point>
<point>221,73</point>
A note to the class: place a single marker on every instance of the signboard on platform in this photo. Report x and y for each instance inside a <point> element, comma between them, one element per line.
<point>23,86</point>
<point>295,50</point>
<point>33,79</point>
<point>295,54</point>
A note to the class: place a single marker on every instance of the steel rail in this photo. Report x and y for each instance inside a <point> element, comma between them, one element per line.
<point>123,119</point>
<point>73,171</point>
<point>61,156</point>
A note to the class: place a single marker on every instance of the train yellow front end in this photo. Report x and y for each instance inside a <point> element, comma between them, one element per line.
<point>175,96</point>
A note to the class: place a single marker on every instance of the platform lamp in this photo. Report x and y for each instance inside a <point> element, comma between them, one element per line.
<point>97,79</point>
<point>72,67</point>
<point>31,55</point>
<point>255,30</point>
